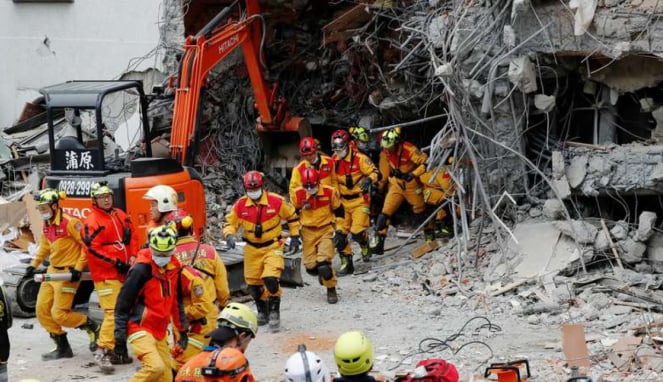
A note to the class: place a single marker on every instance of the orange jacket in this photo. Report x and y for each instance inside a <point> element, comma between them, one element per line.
<point>268,212</point>
<point>324,167</point>
<point>61,239</point>
<point>208,263</point>
<point>149,298</point>
<point>321,209</point>
<point>115,240</point>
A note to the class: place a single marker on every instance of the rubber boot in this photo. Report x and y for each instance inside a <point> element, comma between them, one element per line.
<point>262,312</point>
<point>379,248</point>
<point>429,235</point>
<point>92,329</point>
<point>274,313</point>
<point>365,253</point>
<point>332,297</point>
<point>63,350</point>
<point>103,359</point>
<point>347,267</point>
<point>116,359</point>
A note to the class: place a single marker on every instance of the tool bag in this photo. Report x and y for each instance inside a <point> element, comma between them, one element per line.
<point>437,370</point>
<point>291,277</point>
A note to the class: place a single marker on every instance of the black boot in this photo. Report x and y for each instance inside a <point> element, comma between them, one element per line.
<point>379,248</point>
<point>92,329</point>
<point>63,350</point>
<point>274,313</point>
<point>4,377</point>
<point>262,312</point>
<point>332,297</point>
<point>347,267</point>
<point>365,253</point>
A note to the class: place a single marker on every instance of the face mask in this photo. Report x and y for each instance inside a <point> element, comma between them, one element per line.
<point>312,191</point>
<point>342,153</point>
<point>47,216</point>
<point>314,160</point>
<point>161,261</point>
<point>255,195</point>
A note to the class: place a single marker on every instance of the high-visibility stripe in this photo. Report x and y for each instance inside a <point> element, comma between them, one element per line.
<point>196,343</point>
<point>136,335</point>
<point>68,290</point>
<point>104,292</point>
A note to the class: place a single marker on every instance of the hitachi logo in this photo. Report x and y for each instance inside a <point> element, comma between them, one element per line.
<point>230,43</point>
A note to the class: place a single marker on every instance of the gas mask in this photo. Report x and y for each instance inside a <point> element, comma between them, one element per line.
<point>255,194</point>
<point>161,261</point>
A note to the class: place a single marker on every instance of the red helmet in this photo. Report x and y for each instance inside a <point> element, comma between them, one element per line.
<point>253,180</point>
<point>181,221</point>
<point>340,139</point>
<point>310,178</point>
<point>308,146</point>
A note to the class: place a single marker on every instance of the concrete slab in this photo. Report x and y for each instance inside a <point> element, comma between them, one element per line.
<point>542,249</point>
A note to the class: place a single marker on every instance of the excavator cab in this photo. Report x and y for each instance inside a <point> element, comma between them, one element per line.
<point>99,131</point>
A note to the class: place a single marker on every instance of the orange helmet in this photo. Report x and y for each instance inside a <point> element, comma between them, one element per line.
<point>228,365</point>
<point>181,221</point>
<point>310,178</point>
<point>253,180</point>
<point>308,146</point>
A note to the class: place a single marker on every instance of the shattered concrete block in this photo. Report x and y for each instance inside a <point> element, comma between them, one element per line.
<point>584,13</point>
<point>647,104</point>
<point>577,170</point>
<point>655,252</point>
<point>620,230</point>
<point>632,251</point>
<point>599,301</point>
<point>438,29</point>
<point>646,223</point>
<point>581,231</point>
<point>544,102</point>
<point>553,209</point>
<point>474,87</point>
<point>509,36</point>
<point>535,212</point>
<point>522,74</point>
<point>557,164</point>
<point>444,70</point>
<point>599,165</point>
<point>602,243</point>
<point>656,174</point>
<point>562,188</point>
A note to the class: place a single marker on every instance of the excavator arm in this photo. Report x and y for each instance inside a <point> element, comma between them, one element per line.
<point>214,42</point>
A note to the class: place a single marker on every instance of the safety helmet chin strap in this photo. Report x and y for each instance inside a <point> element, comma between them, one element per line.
<point>307,371</point>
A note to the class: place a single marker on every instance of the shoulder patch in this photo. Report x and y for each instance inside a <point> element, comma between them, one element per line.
<point>198,291</point>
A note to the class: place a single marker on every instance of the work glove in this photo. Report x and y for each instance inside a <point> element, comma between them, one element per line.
<point>230,241</point>
<point>75,275</point>
<point>121,348</point>
<point>29,271</point>
<point>340,241</point>
<point>365,184</point>
<point>121,266</point>
<point>183,341</point>
<point>294,244</point>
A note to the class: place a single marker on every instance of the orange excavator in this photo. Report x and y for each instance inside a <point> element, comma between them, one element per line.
<point>81,115</point>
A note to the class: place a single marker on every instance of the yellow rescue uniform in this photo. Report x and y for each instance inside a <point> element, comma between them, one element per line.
<point>324,167</point>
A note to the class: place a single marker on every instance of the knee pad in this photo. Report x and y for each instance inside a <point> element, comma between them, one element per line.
<point>313,271</point>
<point>255,291</point>
<point>381,222</point>
<point>271,284</point>
<point>325,270</point>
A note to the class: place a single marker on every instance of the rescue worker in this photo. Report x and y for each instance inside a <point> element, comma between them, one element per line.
<point>438,187</point>
<point>352,176</point>
<point>361,138</point>
<point>111,246</point>
<point>353,354</point>
<point>61,241</point>
<point>148,300</point>
<point>401,164</point>
<point>218,365</point>
<point>259,213</point>
<point>320,212</point>
<point>306,366</point>
<point>202,257</point>
<point>238,325</point>
<point>311,157</point>
<point>163,201</point>
<point>5,324</point>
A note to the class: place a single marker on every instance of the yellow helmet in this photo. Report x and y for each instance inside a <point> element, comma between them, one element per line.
<point>163,239</point>
<point>240,316</point>
<point>50,196</point>
<point>98,189</point>
<point>353,353</point>
<point>391,137</point>
<point>359,134</point>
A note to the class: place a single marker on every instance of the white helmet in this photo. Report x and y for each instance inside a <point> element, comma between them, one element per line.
<point>306,366</point>
<point>165,197</point>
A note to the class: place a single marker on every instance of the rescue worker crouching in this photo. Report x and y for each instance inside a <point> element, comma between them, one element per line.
<point>149,298</point>
<point>306,366</point>
<point>311,157</point>
<point>401,164</point>
<point>353,175</point>
<point>237,326</point>
<point>259,214</point>
<point>353,354</point>
<point>111,246</point>
<point>61,241</point>
<point>320,212</point>
<point>439,187</point>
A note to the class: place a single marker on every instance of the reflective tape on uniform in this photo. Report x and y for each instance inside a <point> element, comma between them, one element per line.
<point>196,343</point>
<point>69,290</point>
<point>136,335</point>
<point>104,292</point>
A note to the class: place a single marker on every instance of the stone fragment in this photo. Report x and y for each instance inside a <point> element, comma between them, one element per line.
<point>535,212</point>
<point>646,223</point>
<point>599,301</point>
<point>557,164</point>
<point>577,170</point>
<point>582,232</point>
<point>561,187</point>
<point>544,102</point>
<point>632,251</point>
<point>553,209</point>
<point>620,230</point>
<point>523,74</point>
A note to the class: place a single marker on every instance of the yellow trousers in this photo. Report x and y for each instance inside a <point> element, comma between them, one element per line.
<point>318,247</point>
<point>263,262</point>
<point>399,191</point>
<point>154,355</point>
<point>53,307</point>
<point>107,291</point>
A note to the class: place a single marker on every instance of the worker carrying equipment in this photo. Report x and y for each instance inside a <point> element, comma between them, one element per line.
<point>353,175</point>
<point>259,214</point>
<point>61,242</point>
<point>306,366</point>
<point>311,158</point>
